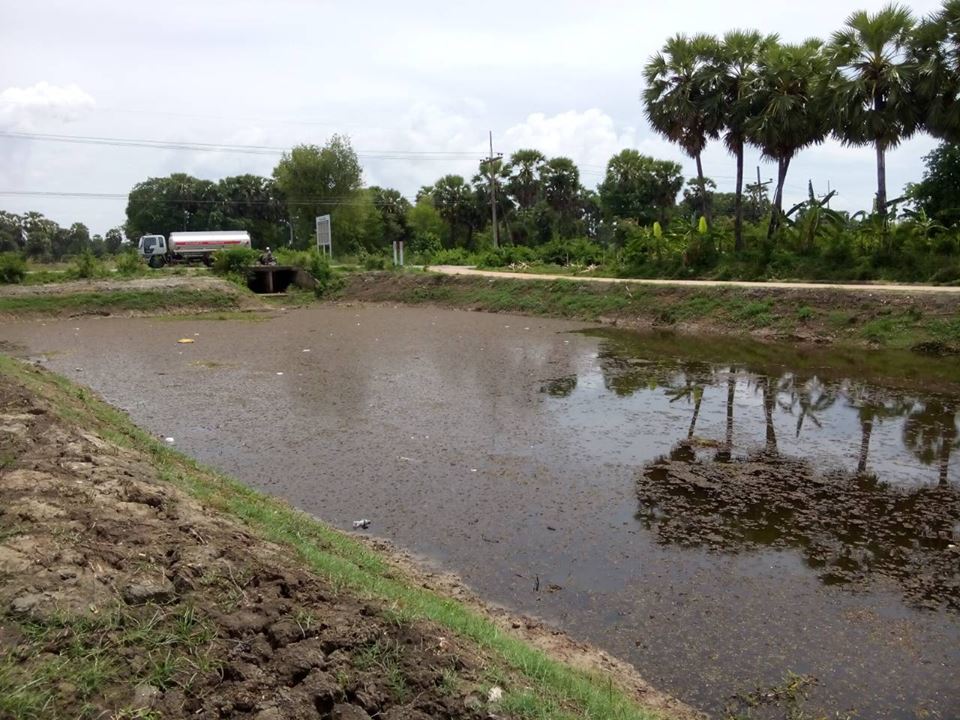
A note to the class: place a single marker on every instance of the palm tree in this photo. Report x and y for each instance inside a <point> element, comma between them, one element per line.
<point>935,52</point>
<point>736,73</point>
<point>524,183</point>
<point>792,108</point>
<point>681,97</point>
<point>876,84</point>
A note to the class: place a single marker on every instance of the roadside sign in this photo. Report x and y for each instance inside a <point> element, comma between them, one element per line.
<point>324,236</point>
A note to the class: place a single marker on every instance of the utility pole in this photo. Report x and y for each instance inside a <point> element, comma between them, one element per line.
<point>493,193</point>
<point>756,192</point>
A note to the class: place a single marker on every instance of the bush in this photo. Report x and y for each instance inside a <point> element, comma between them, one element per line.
<point>454,256</point>
<point>426,243</point>
<point>13,268</point>
<point>129,263</point>
<point>374,262</point>
<point>507,255</point>
<point>86,266</point>
<point>314,263</point>
<point>565,252</point>
<point>234,261</point>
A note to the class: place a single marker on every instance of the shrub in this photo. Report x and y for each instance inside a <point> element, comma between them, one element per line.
<point>13,268</point>
<point>453,256</point>
<point>128,264</point>
<point>426,243</point>
<point>564,252</point>
<point>314,263</point>
<point>86,266</point>
<point>507,255</point>
<point>374,262</point>
<point>234,261</point>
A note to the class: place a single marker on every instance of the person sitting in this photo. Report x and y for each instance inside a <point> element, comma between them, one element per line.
<point>266,257</point>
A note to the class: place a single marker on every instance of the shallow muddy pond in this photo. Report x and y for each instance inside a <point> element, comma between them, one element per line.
<point>718,513</point>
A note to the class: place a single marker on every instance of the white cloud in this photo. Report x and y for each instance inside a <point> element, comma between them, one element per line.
<point>26,108</point>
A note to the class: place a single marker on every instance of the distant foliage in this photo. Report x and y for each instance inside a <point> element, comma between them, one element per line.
<point>87,266</point>
<point>234,261</point>
<point>128,264</point>
<point>13,268</point>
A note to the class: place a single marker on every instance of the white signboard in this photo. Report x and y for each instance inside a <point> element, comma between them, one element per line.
<point>324,237</point>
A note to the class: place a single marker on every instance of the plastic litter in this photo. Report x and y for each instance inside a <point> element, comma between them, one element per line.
<point>169,440</point>
<point>361,524</point>
<point>495,695</point>
<point>186,341</point>
<point>279,373</point>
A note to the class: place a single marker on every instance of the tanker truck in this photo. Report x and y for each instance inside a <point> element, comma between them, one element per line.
<point>189,246</point>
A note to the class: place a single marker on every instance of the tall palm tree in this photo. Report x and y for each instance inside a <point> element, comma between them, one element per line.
<point>737,75</point>
<point>523,182</point>
<point>935,51</point>
<point>793,108</point>
<point>875,84</point>
<point>681,98</point>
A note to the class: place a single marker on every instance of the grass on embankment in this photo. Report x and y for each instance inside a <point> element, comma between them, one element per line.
<point>889,320</point>
<point>546,687</point>
<point>118,301</point>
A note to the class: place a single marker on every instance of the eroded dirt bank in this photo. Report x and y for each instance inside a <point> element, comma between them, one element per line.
<point>123,597</point>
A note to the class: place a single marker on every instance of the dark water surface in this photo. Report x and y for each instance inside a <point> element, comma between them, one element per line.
<point>519,454</point>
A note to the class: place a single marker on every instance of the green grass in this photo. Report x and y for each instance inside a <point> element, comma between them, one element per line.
<point>546,687</point>
<point>834,318</point>
<point>84,653</point>
<point>117,301</point>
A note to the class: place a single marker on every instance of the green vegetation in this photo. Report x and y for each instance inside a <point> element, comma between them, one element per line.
<point>543,688</point>
<point>13,268</point>
<point>235,262</point>
<point>881,78</point>
<point>315,263</point>
<point>129,264</point>
<point>901,323</point>
<point>118,301</point>
<point>85,653</point>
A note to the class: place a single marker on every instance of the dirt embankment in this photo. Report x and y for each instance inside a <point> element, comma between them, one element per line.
<point>926,321</point>
<point>139,296</point>
<point>122,596</point>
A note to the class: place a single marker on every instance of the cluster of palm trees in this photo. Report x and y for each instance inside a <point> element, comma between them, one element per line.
<point>881,78</point>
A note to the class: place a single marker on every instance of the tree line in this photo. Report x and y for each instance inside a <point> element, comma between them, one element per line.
<point>879,79</point>
<point>41,238</point>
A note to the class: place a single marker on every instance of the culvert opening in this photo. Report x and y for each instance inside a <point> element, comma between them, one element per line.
<point>268,280</point>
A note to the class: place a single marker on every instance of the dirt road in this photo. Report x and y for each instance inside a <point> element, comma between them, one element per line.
<point>863,287</point>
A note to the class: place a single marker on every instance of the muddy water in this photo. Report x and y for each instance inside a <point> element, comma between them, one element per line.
<point>524,456</point>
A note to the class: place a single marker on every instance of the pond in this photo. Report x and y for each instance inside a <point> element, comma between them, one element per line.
<point>719,513</point>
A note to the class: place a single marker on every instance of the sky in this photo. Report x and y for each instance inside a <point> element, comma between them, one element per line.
<point>416,86</point>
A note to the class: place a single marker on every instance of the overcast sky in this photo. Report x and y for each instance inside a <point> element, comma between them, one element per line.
<point>560,76</point>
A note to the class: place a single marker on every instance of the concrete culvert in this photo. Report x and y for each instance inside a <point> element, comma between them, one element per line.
<point>268,279</point>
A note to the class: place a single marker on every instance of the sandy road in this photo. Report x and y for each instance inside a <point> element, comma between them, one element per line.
<point>861,288</point>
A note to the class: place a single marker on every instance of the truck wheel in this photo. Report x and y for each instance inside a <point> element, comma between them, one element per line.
<point>157,261</point>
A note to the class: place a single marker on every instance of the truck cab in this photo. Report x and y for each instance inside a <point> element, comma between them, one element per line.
<point>154,249</point>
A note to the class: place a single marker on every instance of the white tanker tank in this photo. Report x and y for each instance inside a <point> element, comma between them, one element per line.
<point>187,246</point>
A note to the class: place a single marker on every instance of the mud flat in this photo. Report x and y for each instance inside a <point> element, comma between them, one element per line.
<point>508,449</point>
<point>138,585</point>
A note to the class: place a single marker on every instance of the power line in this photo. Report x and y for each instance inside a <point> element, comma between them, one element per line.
<point>234,148</point>
<point>333,201</point>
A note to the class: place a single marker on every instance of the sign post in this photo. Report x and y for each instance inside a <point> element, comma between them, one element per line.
<point>324,236</point>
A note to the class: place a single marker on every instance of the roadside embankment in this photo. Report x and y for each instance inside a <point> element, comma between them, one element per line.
<point>140,296</point>
<point>138,584</point>
<point>925,321</point>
